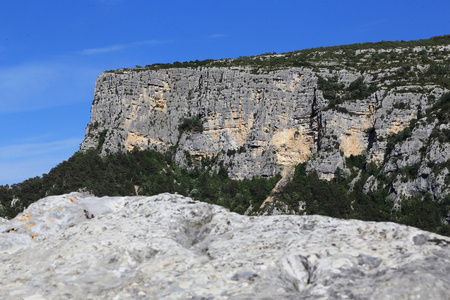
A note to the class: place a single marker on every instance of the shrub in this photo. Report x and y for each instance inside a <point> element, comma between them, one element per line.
<point>191,125</point>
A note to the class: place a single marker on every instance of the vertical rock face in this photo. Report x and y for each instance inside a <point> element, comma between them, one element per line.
<point>259,121</point>
<point>265,121</point>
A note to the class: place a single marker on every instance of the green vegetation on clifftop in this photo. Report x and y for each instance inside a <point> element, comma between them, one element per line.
<point>313,57</point>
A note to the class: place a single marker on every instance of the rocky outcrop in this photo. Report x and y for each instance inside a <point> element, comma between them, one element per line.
<point>257,122</point>
<point>262,121</point>
<point>77,246</point>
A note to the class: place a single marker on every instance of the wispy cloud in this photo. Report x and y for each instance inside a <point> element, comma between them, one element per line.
<point>151,42</point>
<point>107,49</point>
<point>119,47</point>
<point>17,171</point>
<point>35,149</point>
<point>21,82</point>
<point>21,161</point>
<point>217,36</point>
<point>44,84</point>
<point>56,82</point>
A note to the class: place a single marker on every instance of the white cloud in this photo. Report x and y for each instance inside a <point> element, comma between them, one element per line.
<point>107,49</point>
<point>38,85</point>
<point>119,47</point>
<point>152,42</point>
<point>21,82</point>
<point>18,171</point>
<point>217,36</point>
<point>36,149</point>
<point>23,161</point>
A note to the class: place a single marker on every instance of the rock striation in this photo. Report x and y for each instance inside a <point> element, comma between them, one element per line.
<point>267,117</point>
<point>77,246</point>
<point>259,121</point>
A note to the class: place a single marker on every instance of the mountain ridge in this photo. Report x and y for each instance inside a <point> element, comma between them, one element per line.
<point>258,120</point>
<point>372,120</point>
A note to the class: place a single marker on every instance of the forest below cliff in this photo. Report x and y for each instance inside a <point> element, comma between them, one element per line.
<point>149,173</point>
<point>361,189</point>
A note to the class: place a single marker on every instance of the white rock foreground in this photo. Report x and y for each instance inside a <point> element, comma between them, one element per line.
<point>76,246</point>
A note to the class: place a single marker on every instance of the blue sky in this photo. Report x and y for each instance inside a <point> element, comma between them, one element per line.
<point>51,52</point>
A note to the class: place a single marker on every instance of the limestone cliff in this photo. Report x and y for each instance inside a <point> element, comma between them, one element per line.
<point>262,115</point>
<point>265,121</point>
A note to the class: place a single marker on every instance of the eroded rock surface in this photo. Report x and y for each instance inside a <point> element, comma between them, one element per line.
<point>260,122</point>
<point>77,246</point>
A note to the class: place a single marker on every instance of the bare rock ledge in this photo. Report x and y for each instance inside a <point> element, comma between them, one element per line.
<point>77,246</point>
